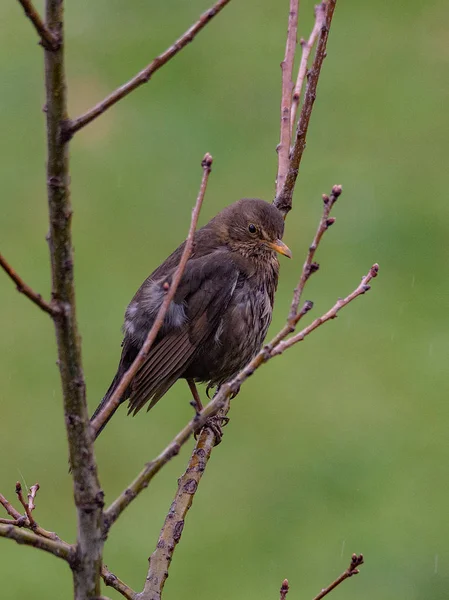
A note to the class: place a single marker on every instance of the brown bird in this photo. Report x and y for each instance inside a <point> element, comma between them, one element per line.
<point>221,310</point>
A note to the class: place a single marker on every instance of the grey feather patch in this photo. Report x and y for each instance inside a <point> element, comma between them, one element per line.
<point>140,316</point>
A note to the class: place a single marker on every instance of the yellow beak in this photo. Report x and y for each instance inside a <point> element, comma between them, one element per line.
<point>280,247</point>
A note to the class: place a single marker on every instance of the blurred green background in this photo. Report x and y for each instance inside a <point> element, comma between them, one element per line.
<point>339,446</point>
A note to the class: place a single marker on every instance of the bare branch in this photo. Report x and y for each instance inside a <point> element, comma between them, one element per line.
<point>283,200</point>
<point>173,526</point>
<point>284,590</point>
<point>48,40</point>
<point>112,513</point>
<point>24,520</point>
<point>29,538</point>
<point>116,398</point>
<point>25,289</point>
<point>331,314</point>
<point>87,493</point>
<point>113,581</point>
<point>20,521</point>
<point>320,14</point>
<point>145,75</point>
<point>9,508</point>
<point>283,148</point>
<point>32,496</point>
<point>309,266</point>
<point>26,505</point>
<point>356,561</point>
<point>221,399</point>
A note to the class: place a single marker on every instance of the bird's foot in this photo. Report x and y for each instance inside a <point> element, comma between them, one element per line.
<point>215,424</point>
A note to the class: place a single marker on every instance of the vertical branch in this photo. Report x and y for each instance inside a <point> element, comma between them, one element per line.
<point>173,526</point>
<point>283,148</point>
<point>88,496</point>
<point>320,15</point>
<point>283,200</point>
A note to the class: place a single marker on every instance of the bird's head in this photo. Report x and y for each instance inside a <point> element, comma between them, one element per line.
<point>252,227</point>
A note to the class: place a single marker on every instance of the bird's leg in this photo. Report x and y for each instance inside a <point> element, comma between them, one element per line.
<point>214,423</point>
<point>196,402</point>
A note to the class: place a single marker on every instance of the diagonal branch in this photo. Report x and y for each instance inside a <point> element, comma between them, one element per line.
<point>116,398</point>
<point>283,200</point>
<point>283,148</point>
<point>222,397</point>
<point>48,40</point>
<point>29,538</point>
<point>145,75</point>
<point>117,584</point>
<point>25,289</point>
<point>160,560</point>
<point>356,561</point>
<point>320,15</point>
<point>331,314</point>
<point>24,520</point>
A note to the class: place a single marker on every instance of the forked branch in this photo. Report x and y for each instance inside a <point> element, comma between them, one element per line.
<point>48,40</point>
<point>283,200</point>
<point>25,520</point>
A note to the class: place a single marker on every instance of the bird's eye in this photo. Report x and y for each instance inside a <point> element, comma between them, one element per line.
<point>252,228</point>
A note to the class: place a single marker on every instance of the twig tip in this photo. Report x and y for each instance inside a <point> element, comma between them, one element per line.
<point>284,589</point>
<point>374,270</point>
<point>337,190</point>
<point>207,161</point>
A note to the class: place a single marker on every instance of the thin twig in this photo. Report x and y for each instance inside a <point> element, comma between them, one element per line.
<point>25,289</point>
<point>331,314</point>
<point>88,495</point>
<point>309,266</point>
<point>32,496</point>
<point>21,520</point>
<point>116,398</point>
<point>320,14</point>
<point>113,512</point>
<point>283,148</point>
<point>356,561</point>
<point>9,508</point>
<point>145,75</point>
<point>29,538</point>
<point>160,560</point>
<point>222,397</point>
<point>284,590</point>
<point>48,40</point>
<point>283,200</point>
<point>26,505</point>
<point>117,584</point>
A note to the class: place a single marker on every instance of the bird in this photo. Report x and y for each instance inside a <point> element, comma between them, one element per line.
<point>220,313</point>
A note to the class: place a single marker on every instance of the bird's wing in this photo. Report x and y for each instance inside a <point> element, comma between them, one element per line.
<point>205,290</point>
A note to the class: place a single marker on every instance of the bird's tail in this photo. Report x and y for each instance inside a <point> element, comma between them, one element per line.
<point>108,394</point>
